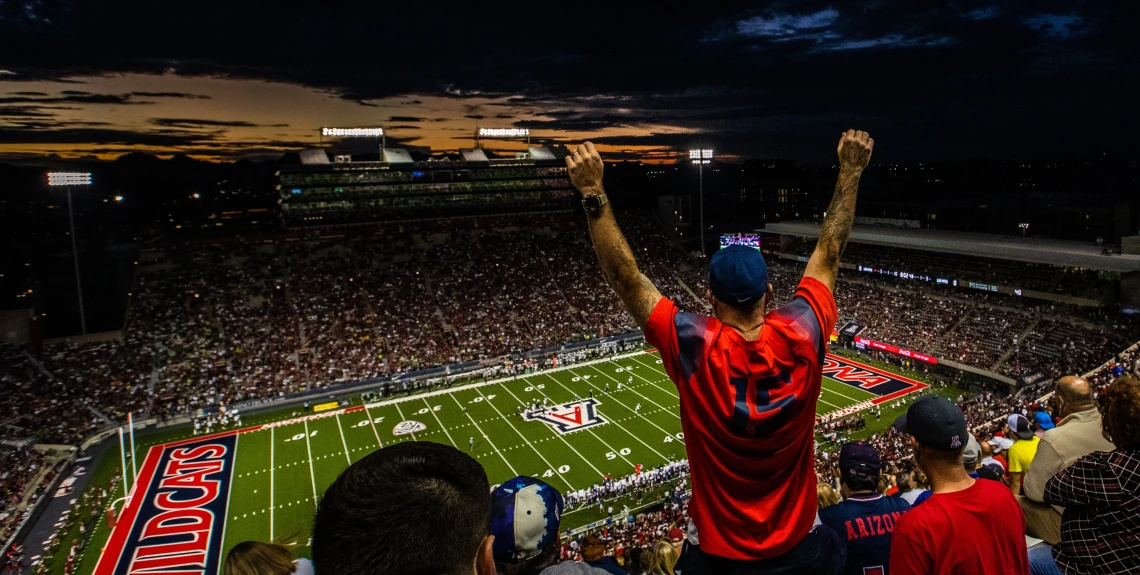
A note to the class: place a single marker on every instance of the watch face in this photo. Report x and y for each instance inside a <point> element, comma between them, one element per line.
<point>592,202</point>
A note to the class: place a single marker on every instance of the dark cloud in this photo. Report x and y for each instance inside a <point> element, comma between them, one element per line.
<point>99,136</point>
<point>940,77</point>
<point>404,119</point>
<point>402,127</point>
<point>73,97</point>
<point>475,116</point>
<point>200,123</point>
<point>180,95</point>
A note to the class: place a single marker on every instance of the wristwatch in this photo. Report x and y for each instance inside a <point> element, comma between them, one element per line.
<point>594,202</point>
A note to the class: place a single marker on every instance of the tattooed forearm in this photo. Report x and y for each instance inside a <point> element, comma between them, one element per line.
<point>840,217</point>
<point>619,267</point>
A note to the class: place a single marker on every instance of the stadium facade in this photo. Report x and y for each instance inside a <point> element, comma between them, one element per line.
<point>322,193</point>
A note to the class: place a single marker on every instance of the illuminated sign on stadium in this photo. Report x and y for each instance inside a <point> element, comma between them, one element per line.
<point>863,343</point>
<point>353,132</point>
<point>892,273</point>
<point>503,132</point>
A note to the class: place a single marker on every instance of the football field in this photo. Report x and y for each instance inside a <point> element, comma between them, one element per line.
<point>264,482</point>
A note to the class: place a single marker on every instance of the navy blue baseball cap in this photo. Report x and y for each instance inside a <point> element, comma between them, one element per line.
<point>525,513</point>
<point>859,458</point>
<point>738,274</point>
<point>935,422</point>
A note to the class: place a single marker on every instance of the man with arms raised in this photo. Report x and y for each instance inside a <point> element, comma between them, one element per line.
<point>748,378</point>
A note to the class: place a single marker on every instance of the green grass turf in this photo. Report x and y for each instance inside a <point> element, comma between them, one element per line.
<point>281,472</point>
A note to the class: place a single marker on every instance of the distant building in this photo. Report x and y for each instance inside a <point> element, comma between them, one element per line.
<point>320,192</point>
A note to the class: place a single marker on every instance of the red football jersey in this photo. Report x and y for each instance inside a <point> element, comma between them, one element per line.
<point>976,531</point>
<point>748,411</point>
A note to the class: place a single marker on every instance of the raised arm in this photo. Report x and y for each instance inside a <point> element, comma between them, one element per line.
<point>637,293</point>
<point>854,153</point>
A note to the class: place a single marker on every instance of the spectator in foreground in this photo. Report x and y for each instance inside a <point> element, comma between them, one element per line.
<point>967,526</point>
<point>970,456</point>
<point>1078,434</point>
<point>866,518</point>
<point>257,558</point>
<point>748,380</point>
<point>1100,530</point>
<point>415,507</point>
<point>525,514</point>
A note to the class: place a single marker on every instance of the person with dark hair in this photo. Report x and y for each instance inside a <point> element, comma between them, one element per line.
<point>415,507</point>
<point>594,554</point>
<point>865,518</point>
<point>1100,529</point>
<point>1078,434</point>
<point>984,513</point>
<point>257,558</point>
<point>749,380</point>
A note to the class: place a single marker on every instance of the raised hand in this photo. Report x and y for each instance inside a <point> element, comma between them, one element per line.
<point>585,168</point>
<point>855,150</point>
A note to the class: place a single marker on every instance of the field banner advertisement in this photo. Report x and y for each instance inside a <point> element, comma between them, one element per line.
<point>864,343</point>
<point>325,406</point>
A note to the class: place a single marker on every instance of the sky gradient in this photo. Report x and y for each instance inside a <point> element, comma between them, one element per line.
<point>931,80</point>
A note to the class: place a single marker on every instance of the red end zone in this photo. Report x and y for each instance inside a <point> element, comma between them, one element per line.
<point>886,385</point>
<point>174,520</point>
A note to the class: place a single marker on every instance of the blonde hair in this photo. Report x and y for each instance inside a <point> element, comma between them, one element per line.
<point>664,558</point>
<point>257,558</point>
<point>825,493</point>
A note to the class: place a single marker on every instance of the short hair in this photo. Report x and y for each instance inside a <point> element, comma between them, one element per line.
<point>855,482</point>
<point>415,507</point>
<point>592,548</point>
<point>1120,408</point>
<point>257,558</point>
<point>532,566</point>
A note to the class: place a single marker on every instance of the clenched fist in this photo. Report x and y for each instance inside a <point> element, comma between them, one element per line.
<point>855,150</point>
<point>585,168</point>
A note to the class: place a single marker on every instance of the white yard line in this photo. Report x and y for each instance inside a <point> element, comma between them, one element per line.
<point>340,428</point>
<point>373,424</point>
<point>559,435</point>
<point>670,412</point>
<point>226,513</point>
<point>480,430</point>
<point>672,392</point>
<point>543,457</point>
<point>401,412</point>
<point>272,467</point>
<point>312,475</point>
<point>869,394</point>
<point>622,426</point>
<point>441,425</point>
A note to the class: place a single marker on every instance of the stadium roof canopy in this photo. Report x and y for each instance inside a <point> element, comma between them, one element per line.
<point>1016,248</point>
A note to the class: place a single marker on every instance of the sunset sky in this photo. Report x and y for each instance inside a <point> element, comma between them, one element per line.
<point>224,80</point>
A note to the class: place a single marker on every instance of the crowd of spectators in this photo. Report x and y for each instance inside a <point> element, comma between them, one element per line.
<point>211,324</point>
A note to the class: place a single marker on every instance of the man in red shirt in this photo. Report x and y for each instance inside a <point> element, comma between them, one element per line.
<point>748,379</point>
<point>925,540</point>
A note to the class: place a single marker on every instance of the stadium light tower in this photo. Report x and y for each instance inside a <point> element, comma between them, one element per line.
<point>700,158</point>
<point>69,180</point>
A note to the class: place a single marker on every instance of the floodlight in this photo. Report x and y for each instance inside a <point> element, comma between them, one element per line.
<point>503,132</point>
<point>69,178</point>
<point>353,132</point>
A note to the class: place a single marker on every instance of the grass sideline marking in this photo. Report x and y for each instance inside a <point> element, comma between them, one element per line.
<point>309,448</point>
